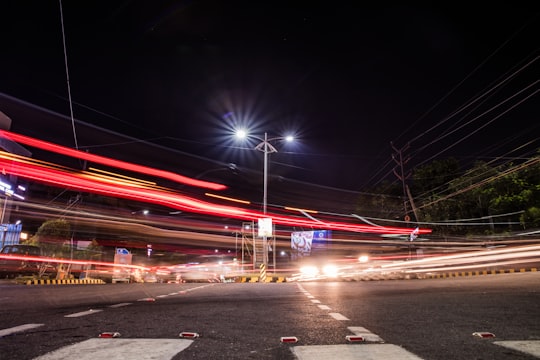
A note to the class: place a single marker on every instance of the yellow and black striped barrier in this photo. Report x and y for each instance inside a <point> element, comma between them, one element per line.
<point>254,279</point>
<point>262,273</point>
<point>478,273</point>
<point>64,281</point>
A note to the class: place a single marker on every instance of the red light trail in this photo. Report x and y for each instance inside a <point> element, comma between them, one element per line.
<point>27,168</point>
<point>44,145</point>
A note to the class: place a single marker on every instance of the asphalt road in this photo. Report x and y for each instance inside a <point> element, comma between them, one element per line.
<point>426,319</point>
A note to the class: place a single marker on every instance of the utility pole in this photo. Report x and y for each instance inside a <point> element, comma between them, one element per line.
<point>399,171</point>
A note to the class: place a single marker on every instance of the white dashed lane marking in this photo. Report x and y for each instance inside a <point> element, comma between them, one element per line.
<point>338,316</point>
<point>119,305</point>
<point>83,313</point>
<point>18,329</point>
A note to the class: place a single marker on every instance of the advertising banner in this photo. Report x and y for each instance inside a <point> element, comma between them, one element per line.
<point>301,242</point>
<point>304,243</point>
<point>321,240</point>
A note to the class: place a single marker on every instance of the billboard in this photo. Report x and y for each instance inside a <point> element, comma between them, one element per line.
<point>304,243</point>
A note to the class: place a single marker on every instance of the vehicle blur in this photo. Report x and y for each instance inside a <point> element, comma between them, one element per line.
<point>19,260</point>
<point>324,268</point>
<point>212,272</point>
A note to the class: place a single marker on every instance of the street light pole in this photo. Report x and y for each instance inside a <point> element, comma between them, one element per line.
<point>265,191</point>
<point>266,147</point>
<point>265,150</point>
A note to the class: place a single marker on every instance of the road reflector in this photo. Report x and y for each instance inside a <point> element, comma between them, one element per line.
<point>108,335</point>
<point>483,334</point>
<point>189,335</point>
<point>289,339</point>
<point>354,338</point>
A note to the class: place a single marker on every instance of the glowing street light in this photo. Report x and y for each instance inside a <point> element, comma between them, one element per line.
<point>266,147</point>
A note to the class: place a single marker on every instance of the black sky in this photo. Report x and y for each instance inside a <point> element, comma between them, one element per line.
<point>347,79</point>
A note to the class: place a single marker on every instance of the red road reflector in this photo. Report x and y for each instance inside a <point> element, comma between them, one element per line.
<point>108,335</point>
<point>289,339</point>
<point>483,334</point>
<point>354,338</point>
<point>189,335</point>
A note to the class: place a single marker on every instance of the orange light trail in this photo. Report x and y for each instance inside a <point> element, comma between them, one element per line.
<point>228,198</point>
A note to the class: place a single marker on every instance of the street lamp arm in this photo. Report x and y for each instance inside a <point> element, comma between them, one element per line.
<point>278,138</point>
<point>266,147</point>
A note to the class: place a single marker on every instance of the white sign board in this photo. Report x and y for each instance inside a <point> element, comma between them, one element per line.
<point>265,227</point>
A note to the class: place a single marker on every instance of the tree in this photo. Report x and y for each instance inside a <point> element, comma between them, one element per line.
<point>385,202</point>
<point>443,192</point>
<point>53,238</point>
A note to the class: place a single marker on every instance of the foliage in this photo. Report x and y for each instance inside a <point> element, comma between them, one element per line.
<point>496,198</point>
<point>387,205</point>
<point>52,237</point>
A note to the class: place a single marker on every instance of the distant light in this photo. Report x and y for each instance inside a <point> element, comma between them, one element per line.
<point>282,253</point>
<point>24,236</point>
<point>5,185</point>
<point>363,259</point>
<point>145,212</point>
<point>289,138</point>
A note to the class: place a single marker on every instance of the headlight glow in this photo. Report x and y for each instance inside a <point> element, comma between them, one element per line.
<point>309,270</point>
<point>363,259</point>
<point>330,270</point>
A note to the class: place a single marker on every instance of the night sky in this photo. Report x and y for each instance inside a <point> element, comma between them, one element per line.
<point>347,80</point>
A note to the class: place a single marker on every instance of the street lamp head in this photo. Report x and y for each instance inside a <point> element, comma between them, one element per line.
<point>241,134</point>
